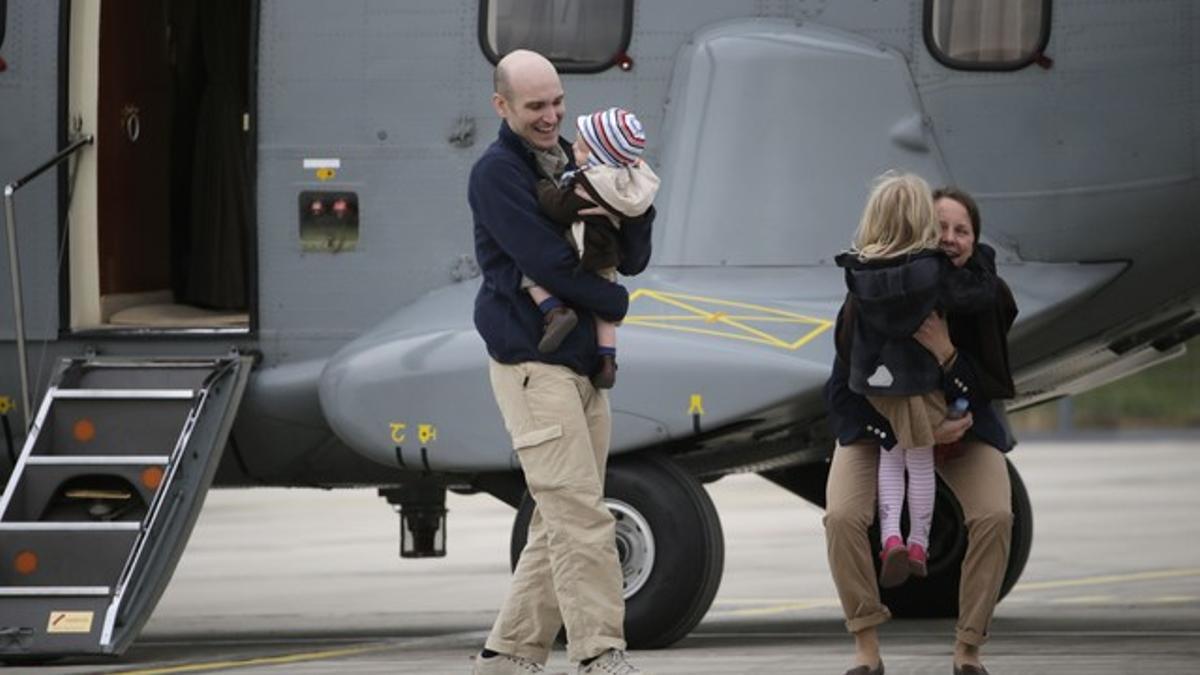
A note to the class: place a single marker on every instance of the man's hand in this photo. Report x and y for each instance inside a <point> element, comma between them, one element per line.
<point>935,337</point>
<point>951,431</point>
<point>591,210</point>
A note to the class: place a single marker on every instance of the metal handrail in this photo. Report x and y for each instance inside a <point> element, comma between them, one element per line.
<point>14,264</point>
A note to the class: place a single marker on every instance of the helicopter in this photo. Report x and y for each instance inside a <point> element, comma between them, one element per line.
<point>238,253</point>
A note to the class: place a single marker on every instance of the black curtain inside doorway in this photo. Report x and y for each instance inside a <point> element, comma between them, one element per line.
<point>216,212</point>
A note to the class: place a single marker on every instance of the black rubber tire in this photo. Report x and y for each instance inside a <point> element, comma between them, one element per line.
<point>936,596</point>
<point>688,541</point>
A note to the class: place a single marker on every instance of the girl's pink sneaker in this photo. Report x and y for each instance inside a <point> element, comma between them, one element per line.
<point>916,561</point>
<point>894,556</point>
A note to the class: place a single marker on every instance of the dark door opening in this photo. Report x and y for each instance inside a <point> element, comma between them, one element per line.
<point>174,217</point>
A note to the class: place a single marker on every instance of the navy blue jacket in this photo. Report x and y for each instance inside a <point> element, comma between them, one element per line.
<point>513,238</point>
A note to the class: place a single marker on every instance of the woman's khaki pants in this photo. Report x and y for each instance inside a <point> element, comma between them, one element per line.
<point>978,477</point>
<point>568,572</point>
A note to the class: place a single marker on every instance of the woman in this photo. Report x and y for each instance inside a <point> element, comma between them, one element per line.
<point>974,353</point>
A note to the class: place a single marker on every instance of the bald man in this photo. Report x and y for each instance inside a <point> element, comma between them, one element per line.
<point>559,422</point>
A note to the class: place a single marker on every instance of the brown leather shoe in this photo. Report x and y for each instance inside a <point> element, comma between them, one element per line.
<point>559,323</point>
<point>866,670</point>
<point>606,377</point>
<point>967,669</point>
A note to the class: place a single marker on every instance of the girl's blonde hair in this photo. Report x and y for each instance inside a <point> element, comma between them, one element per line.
<point>899,218</point>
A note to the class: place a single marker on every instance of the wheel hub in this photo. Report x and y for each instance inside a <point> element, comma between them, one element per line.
<point>635,546</point>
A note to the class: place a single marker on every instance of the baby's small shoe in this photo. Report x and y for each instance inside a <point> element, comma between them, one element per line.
<point>559,323</point>
<point>606,377</point>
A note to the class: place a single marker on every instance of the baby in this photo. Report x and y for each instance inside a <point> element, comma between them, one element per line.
<point>611,173</point>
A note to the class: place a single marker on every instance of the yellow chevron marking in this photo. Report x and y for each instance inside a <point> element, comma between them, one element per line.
<point>730,320</point>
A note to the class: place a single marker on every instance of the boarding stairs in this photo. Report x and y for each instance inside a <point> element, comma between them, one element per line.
<point>103,497</point>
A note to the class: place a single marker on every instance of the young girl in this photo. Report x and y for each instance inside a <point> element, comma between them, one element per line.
<point>897,276</point>
<point>608,150</point>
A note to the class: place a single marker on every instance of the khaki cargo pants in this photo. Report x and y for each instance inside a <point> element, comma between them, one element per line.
<point>977,476</point>
<point>568,572</point>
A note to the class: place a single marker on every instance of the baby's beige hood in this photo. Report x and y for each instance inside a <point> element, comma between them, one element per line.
<point>625,190</point>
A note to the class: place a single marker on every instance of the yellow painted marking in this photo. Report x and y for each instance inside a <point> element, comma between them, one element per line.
<point>326,173</point>
<point>708,318</point>
<point>1112,599</point>
<point>6,405</point>
<point>674,300</point>
<point>780,608</point>
<point>1172,599</point>
<point>398,432</point>
<point>69,622</point>
<point>427,432</point>
<point>1109,579</point>
<point>264,661</point>
<point>685,329</point>
<point>762,601</point>
<point>765,336</point>
<point>1086,600</point>
<point>736,323</point>
<point>696,405</point>
<point>776,607</point>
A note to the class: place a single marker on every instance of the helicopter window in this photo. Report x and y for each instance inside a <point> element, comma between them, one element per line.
<point>578,36</point>
<point>985,34</point>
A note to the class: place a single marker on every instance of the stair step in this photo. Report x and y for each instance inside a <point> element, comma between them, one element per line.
<point>98,459</point>
<point>109,424</point>
<point>160,363</point>
<point>123,394</point>
<point>36,591</point>
<point>116,525</point>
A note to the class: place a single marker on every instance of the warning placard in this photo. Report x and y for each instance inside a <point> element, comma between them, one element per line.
<point>69,622</point>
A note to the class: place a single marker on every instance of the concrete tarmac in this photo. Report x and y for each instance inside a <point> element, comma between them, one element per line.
<point>306,581</point>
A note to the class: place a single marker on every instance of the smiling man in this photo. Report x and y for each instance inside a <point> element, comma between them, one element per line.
<point>559,422</point>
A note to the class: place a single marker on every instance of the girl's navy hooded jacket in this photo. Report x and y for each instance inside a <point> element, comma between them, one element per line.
<point>981,373</point>
<point>892,297</point>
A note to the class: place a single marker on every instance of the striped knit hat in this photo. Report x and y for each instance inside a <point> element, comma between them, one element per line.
<point>613,136</point>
